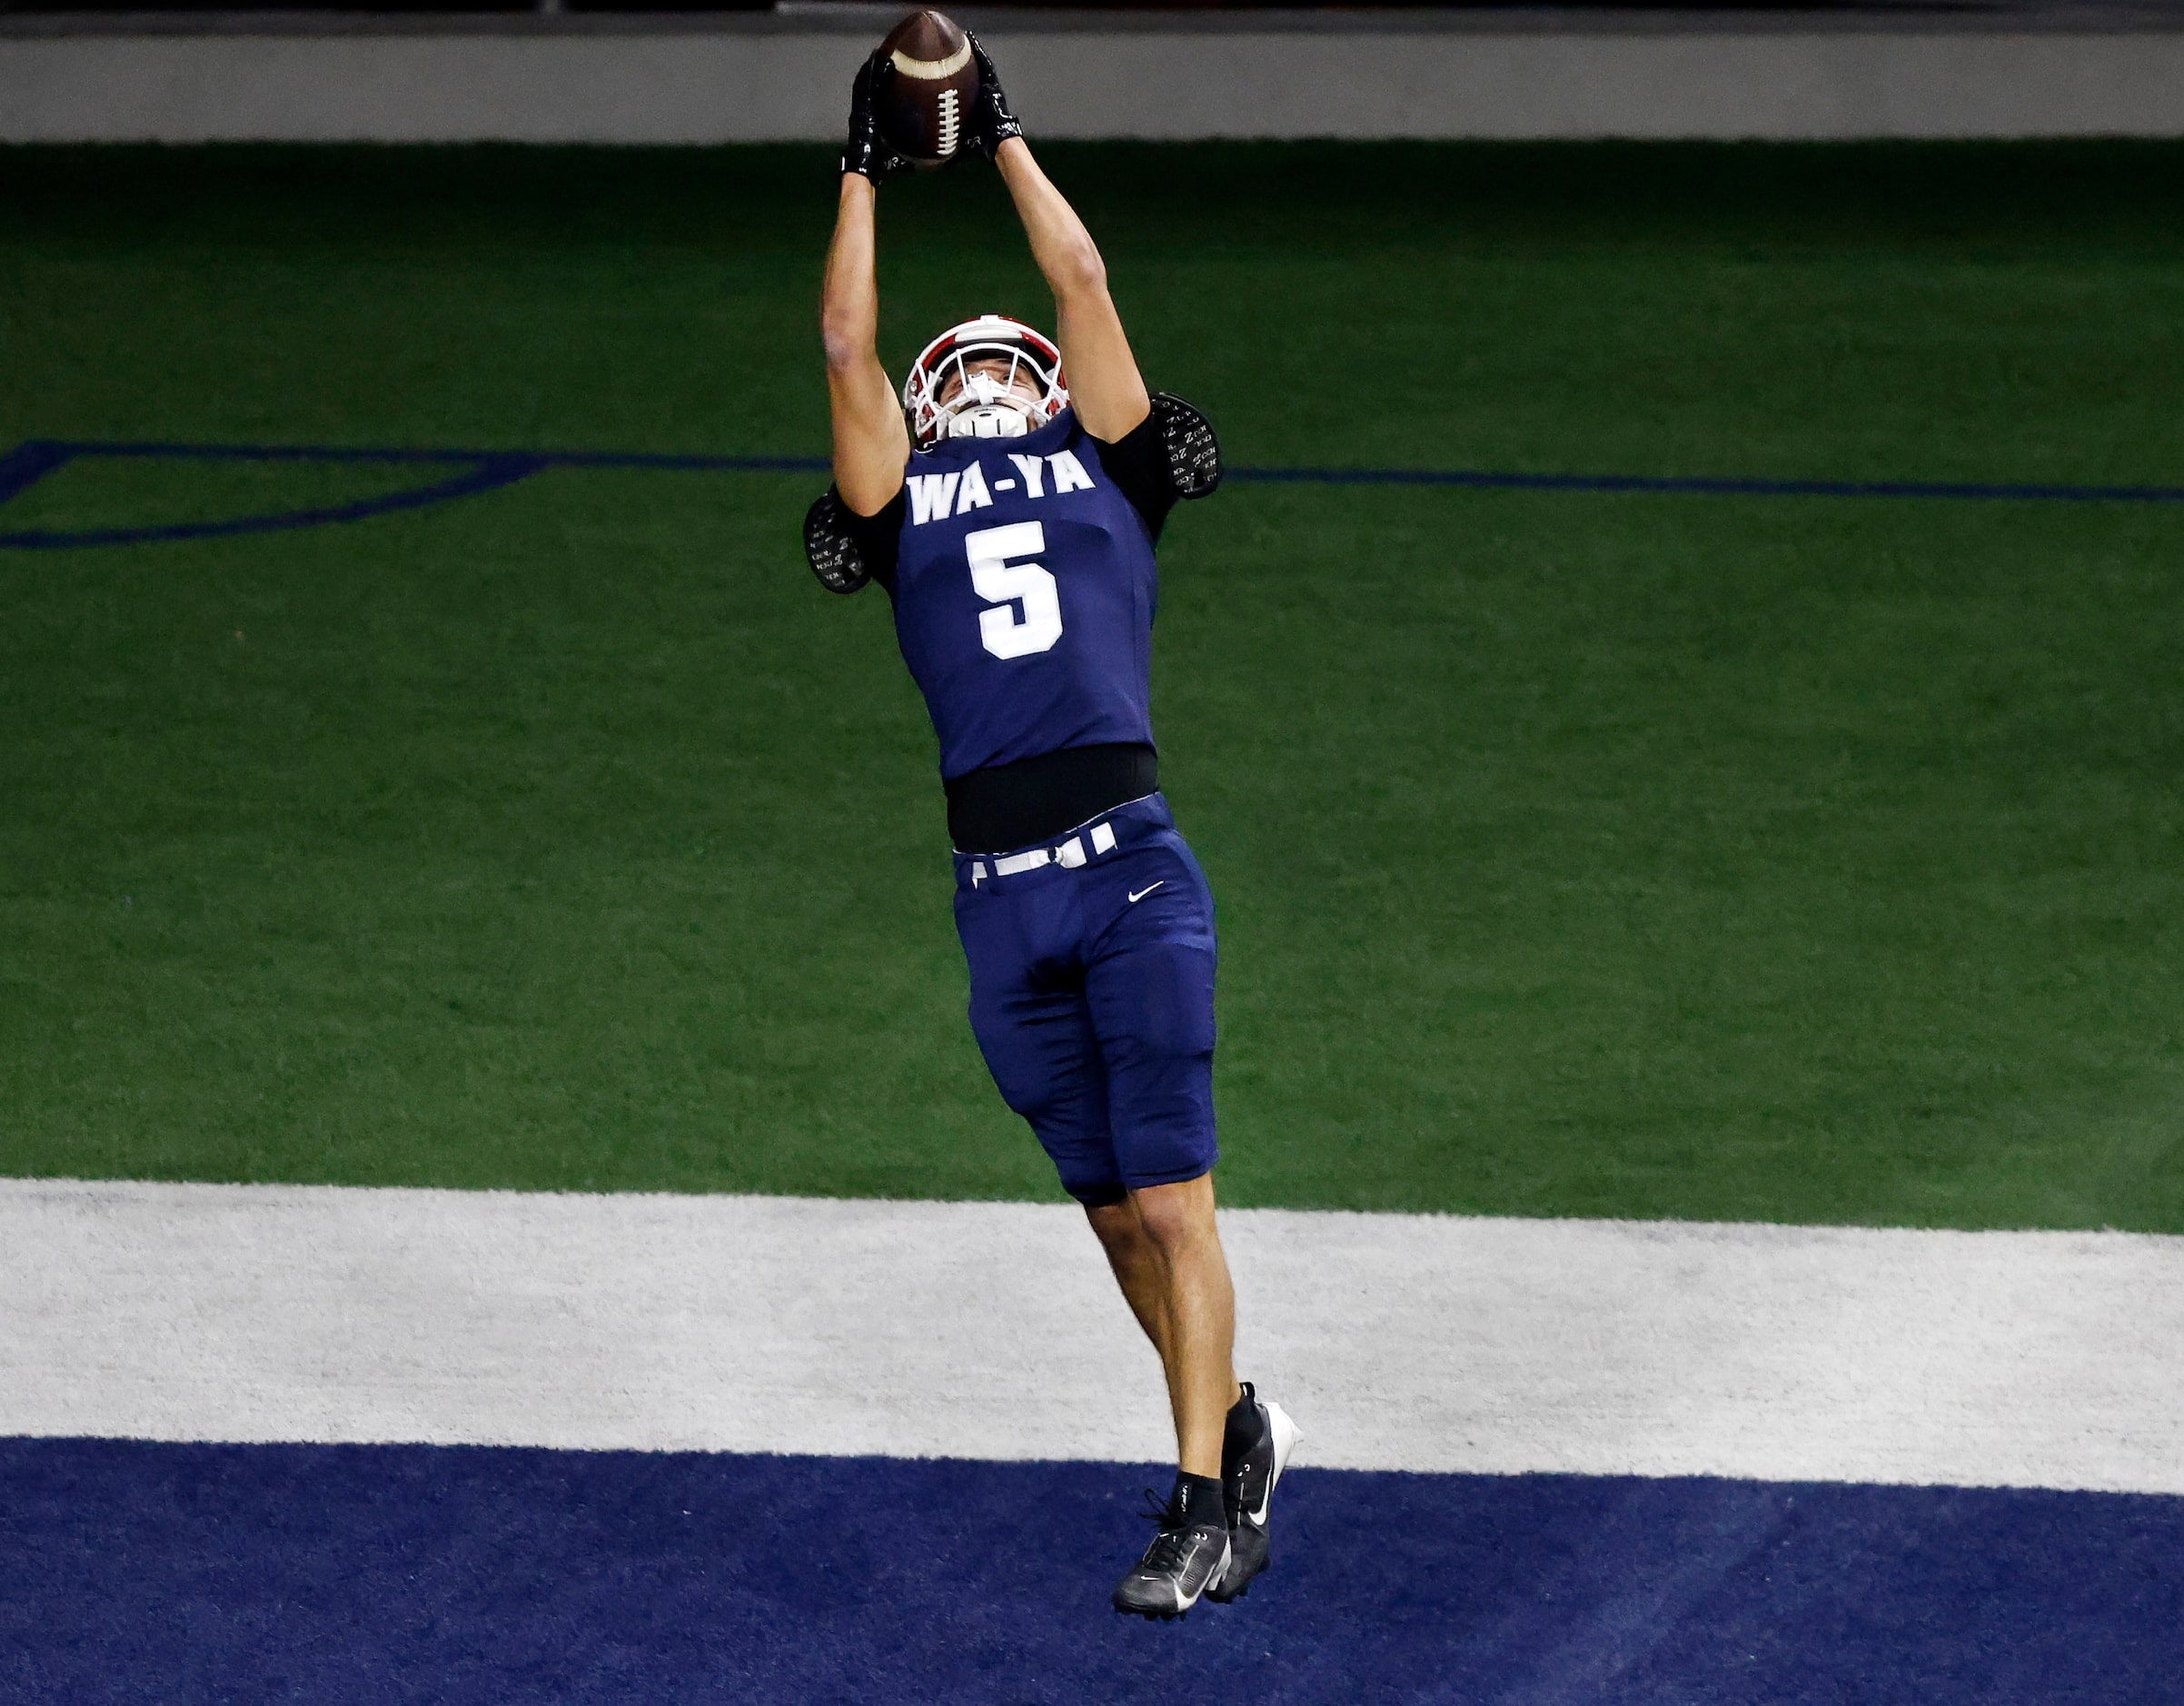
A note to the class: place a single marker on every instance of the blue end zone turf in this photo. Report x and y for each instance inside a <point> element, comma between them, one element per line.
<point>134,1571</point>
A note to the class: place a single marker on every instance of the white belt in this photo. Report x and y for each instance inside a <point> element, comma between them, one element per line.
<point>1069,855</point>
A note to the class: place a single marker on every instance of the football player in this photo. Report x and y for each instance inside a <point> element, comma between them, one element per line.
<point>1011,518</point>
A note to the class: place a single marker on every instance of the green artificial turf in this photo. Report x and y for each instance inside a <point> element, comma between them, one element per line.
<point>1801,859</point>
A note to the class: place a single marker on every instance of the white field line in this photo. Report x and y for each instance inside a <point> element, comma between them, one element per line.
<point>991,1330</point>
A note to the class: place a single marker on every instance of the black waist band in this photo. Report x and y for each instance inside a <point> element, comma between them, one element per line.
<point>1006,806</point>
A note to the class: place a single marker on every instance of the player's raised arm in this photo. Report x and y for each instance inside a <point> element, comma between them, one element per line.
<point>1104,386</point>
<point>870,443</point>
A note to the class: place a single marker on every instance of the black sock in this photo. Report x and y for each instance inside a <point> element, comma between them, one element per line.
<point>1197,1502</point>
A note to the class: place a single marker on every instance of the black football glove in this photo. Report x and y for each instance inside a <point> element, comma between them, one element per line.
<point>868,152</point>
<point>991,121</point>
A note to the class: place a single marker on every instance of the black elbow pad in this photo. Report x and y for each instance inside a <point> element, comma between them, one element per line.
<point>1193,453</point>
<point>830,547</point>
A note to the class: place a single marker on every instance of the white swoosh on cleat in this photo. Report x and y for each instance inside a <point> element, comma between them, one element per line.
<point>1285,1436</point>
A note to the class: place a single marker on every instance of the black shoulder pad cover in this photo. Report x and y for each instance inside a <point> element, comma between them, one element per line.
<point>1193,453</point>
<point>833,554</point>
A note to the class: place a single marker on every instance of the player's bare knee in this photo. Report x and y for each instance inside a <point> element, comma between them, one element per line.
<point>1178,1216</point>
<point>1116,1225</point>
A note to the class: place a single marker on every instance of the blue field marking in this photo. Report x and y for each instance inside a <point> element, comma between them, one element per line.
<point>489,470</point>
<point>1715,486</point>
<point>184,1573</point>
<point>480,472</point>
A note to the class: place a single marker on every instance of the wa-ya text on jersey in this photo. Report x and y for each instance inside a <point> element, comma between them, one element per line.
<point>1024,597</point>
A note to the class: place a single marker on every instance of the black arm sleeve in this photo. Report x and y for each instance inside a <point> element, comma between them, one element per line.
<point>846,549</point>
<point>1139,467</point>
<point>1170,455</point>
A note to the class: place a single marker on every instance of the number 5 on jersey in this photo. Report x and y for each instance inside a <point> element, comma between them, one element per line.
<point>1002,583</point>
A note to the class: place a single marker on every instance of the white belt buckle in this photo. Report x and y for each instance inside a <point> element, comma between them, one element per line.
<point>1069,856</point>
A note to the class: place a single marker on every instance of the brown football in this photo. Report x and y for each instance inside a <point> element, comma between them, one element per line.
<point>925,101</point>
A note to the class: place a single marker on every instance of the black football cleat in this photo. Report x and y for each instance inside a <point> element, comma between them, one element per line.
<point>1251,1466</point>
<point>1185,1560</point>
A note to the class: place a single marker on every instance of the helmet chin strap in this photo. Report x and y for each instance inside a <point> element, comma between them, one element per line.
<point>987,409</point>
<point>990,421</point>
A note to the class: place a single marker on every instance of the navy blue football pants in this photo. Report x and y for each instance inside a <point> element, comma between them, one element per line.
<point>1092,998</point>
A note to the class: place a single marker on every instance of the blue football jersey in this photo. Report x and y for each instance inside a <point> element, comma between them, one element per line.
<point>1024,595</point>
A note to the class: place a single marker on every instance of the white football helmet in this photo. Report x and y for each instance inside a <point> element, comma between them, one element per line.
<point>944,399</point>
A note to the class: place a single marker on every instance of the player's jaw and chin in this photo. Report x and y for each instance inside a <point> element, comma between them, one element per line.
<point>982,405</point>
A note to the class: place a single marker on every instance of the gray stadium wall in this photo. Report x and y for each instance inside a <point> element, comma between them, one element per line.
<point>782,76</point>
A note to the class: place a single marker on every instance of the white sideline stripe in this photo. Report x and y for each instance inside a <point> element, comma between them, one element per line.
<point>746,1324</point>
